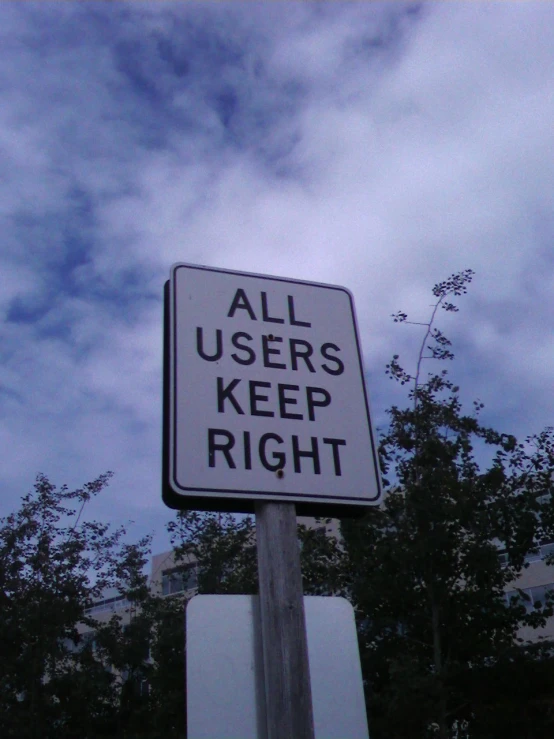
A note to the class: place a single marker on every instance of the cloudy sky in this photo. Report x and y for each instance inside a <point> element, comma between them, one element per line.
<point>379,146</point>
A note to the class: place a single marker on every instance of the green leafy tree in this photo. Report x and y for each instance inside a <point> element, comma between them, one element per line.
<point>64,673</point>
<point>144,646</point>
<point>224,547</point>
<point>514,696</point>
<point>52,565</point>
<point>67,671</point>
<point>322,559</point>
<point>424,570</point>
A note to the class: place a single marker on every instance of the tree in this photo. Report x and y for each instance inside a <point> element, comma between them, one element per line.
<point>146,651</point>
<point>63,673</point>
<point>423,569</point>
<point>52,565</point>
<point>224,547</point>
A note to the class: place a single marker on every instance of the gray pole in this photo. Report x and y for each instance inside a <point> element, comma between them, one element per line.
<point>285,649</point>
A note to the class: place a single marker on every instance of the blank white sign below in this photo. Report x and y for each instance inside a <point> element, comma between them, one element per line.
<point>225,697</point>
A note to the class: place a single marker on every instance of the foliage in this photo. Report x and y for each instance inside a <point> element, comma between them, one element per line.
<point>146,651</point>
<point>67,671</point>
<point>63,673</point>
<point>514,696</point>
<point>321,559</point>
<point>47,557</point>
<point>424,570</point>
<point>224,546</point>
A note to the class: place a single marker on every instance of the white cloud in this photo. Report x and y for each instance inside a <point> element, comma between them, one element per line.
<point>365,146</point>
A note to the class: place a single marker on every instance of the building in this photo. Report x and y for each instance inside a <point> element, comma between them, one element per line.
<point>167,577</point>
<point>534,581</point>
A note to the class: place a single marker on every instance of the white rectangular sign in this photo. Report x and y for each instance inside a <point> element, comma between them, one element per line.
<point>266,397</point>
<point>225,676</point>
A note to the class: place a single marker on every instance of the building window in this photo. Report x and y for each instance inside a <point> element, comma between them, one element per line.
<point>531,597</point>
<point>547,550</point>
<point>539,592</point>
<point>543,551</point>
<point>533,556</point>
<point>108,604</point>
<point>73,646</point>
<point>179,579</point>
<point>523,598</point>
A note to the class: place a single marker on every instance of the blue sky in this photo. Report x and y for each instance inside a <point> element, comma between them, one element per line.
<point>381,146</point>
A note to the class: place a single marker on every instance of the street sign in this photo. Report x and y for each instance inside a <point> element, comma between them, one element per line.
<point>225,672</point>
<point>265,395</point>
